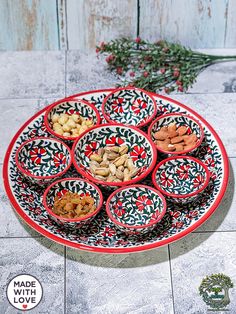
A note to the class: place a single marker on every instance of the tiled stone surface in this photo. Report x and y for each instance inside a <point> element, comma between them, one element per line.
<point>86,72</point>
<point>14,113</point>
<point>32,75</point>
<point>224,218</point>
<point>118,284</point>
<point>195,257</point>
<point>219,110</point>
<point>40,258</point>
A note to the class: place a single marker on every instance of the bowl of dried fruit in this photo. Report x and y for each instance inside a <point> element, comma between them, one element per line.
<point>129,106</point>
<point>68,119</point>
<point>176,134</point>
<point>72,202</point>
<point>136,209</point>
<point>43,159</point>
<point>114,155</point>
<point>181,179</point>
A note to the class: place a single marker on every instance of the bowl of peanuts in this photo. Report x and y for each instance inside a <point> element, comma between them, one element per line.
<point>114,155</point>
<point>176,134</point>
<point>181,179</point>
<point>129,106</point>
<point>69,118</point>
<point>72,202</point>
<point>136,209</point>
<point>43,159</point>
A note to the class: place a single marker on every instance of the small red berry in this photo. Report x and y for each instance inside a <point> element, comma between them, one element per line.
<point>102,45</point>
<point>178,83</point>
<point>145,74</point>
<point>180,89</point>
<point>132,74</point>
<point>110,58</point>
<point>138,40</point>
<point>176,73</point>
<point>142,65</point>
<point>119,70</point>
<point>98,50</point>
<point>162,70</point>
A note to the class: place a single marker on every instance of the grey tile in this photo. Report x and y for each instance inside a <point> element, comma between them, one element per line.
<point>14,113</point>
<point>86,72</point>
<point>224,218</point>
<point>219,111</point>
<point>40,258</point>
<point>118,284</point>
<point>35,74</point>
<point>195,257</point>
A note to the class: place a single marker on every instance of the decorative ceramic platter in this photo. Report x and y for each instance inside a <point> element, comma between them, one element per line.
<point>101,235</point>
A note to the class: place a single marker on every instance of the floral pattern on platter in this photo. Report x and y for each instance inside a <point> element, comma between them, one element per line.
<point>181,176</point>
<point>179,120</point>
<point>78,186</point>
<point>41,158</point>
<point>100,235</point>
<point>130,106</point>
<point>140,148</point>
<point>136,206</point>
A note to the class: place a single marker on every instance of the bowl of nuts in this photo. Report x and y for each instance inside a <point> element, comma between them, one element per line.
<point>114,155</point>
<point>129,106</point>
<point>136,209</point>
<point>43,159</point>
<point>181,179</point>
<point>72,202</point>
<point>176,134</point>
<point>68,119</point>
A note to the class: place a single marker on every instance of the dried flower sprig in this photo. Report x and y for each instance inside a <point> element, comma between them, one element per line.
<point>156,66</point>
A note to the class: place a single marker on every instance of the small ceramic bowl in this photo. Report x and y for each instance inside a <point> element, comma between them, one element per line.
<point>141,150</point>
<point>179,119</point>
<point>136,209</point>
<point>181,179</point>
<point>74,185</point>
<point>70,106</point>
<point>43,159</point>
<point>129,106</point>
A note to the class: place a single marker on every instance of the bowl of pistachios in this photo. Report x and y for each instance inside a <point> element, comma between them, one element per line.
<point>114,155</point>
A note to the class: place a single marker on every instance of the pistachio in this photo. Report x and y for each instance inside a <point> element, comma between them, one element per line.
<point>112,155</point>
<point>96,157</point>
<point>119,174</point>
<point>130,164</point>
<point>102,171</point>
<point>133,172</point>
<point>123,149</point>
<point>101,151</point>
<point>121,168</point>
<point>112,168</point>
<point>114,149</point>
<point>101,178</point>
<point>120,160</point>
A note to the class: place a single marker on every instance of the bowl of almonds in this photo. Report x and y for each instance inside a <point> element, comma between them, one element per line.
<point>68,119</point>
<point>176,134</point>
<point>72,202</point>
<point>114,155</point>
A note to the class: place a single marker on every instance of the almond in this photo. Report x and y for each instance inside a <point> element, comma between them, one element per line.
<point>160,135</point>
<point>182,130</point>
<point>179,147</point>
<point>176,139</point>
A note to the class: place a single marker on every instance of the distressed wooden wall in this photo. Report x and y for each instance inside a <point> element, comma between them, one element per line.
<point>81,24</point>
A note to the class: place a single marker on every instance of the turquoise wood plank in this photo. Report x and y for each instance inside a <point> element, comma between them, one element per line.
<point>28,25</point>
<point>90,22</point>
<point>194,23</point>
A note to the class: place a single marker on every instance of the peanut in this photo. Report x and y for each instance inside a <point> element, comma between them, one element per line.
<point>96,157</point>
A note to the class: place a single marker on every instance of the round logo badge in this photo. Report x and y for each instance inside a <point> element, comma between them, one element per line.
<point>24,292</point>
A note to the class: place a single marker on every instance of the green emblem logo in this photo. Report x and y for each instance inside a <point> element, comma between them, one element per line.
<point>214,290</point>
